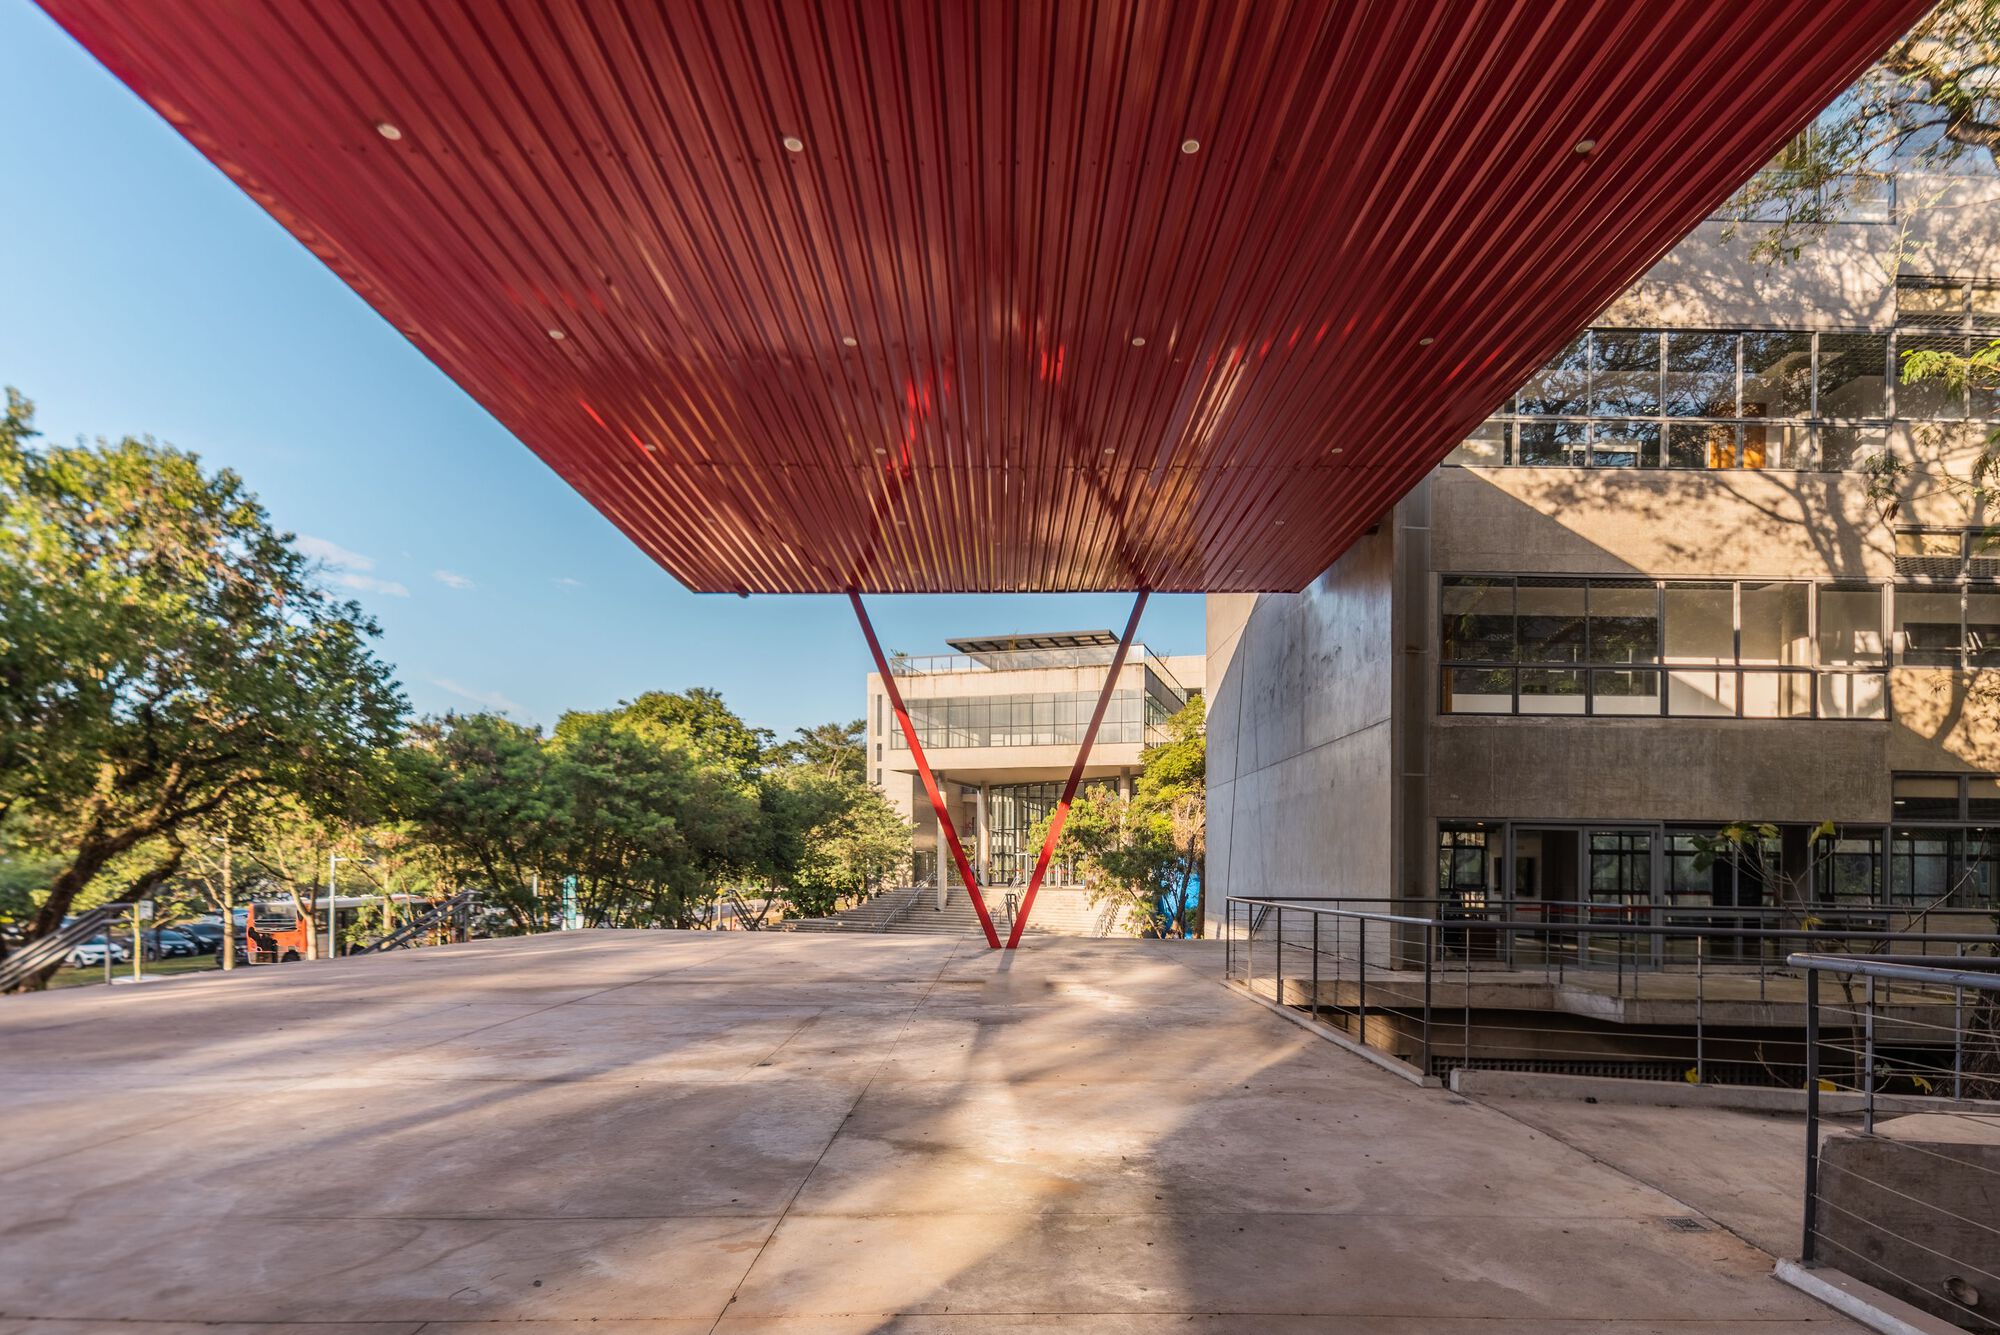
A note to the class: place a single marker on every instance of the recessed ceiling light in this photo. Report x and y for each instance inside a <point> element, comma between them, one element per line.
<point>1138,342</point>
<point>793,144</point>
<point>1279,522</point>
<point>390,132</point>
<point>1425,342</point>
<point>1190,145</point>
<point>1336,449</point>
<point>1586,145</point>
<point>558,335</point>
<point>851,342</point>
<point>880,450</point>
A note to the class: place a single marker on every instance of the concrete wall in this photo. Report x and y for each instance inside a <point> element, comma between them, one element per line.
<point>1301,791</point>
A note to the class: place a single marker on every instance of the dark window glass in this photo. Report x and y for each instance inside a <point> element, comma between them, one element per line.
<point>1701,445</point>
<point>1621,691</point>
<point>1925,796</point>
<point>1777,375</point>
<point>1701,375</point>
<point>1550,616</point>
<point>1625,373</point>
<point>1478,620</point>
<point>1920,866</point>
<point>1982,797</point>
<point>1853,369</point>
<point>1927,621</point>
<point>1851,872</point>
<point>1549,444</point>
<point>1560,389</point>
<point>1551,691</point>
<point>1625,445</point>
<point>1624,622</point>
<point>1478,691</point>
<point>1842,447</point>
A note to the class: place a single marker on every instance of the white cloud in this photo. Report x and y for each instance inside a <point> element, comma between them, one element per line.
<point>348,569</point>
<point>451,579</point>
<point>332,553</point>
<point>490,699</point>
<point>564,581</point>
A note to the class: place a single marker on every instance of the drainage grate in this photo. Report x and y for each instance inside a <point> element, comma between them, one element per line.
<point>1687,1224</point>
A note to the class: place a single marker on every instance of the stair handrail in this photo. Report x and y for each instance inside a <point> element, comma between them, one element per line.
<point>416,927</point>
<point>36,955</point>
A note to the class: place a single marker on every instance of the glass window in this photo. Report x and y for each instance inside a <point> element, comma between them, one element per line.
<point>1701,623</point>
<point>1925,796</point>
<point>1560,389</point>
<point>1625,445</point>
<point>1850,627</point>
<point>1850,872</point>
<point>1927,627</point>
<point>1624,621</point>
<point>1552,691</point>
<point>1775,694</point>
<point>1549,444</point>
<point>1478,620</point>
<point>1478,691</point>
<point>1777,375</point>
<point>1853,695</point>
<point>1920,866</point>
<point>1550,616</point>
<point>1853,370</point>
<point>1619,691</point>
<point>1701,375</point>
<point>1625,373</point>
<point>1982,628</point>
<point>1701,445</point>
<point>1485,445</point>
<point>1931,398</point>
<point>1840,447</point>
<point>1930,553</point>
<point>1775,626</point>
<point>1982,797</point>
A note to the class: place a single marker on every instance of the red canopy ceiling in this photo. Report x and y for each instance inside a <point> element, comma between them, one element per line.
<point>807,295</point>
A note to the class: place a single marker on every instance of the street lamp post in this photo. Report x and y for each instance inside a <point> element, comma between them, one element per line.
<point>332,924</point>
<point>228,909</point>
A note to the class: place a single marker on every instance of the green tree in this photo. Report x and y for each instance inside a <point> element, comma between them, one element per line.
<point>165,655</point>
<point>837,750</point>
<point>1931,105</point>
<point>832,839</point>
<point>1145,854</point>
<point>696,721</point>
<point>485,793</point>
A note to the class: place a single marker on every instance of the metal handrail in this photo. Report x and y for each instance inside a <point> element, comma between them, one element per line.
<point>38,955</point>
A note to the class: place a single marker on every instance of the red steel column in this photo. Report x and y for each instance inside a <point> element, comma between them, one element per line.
<point>949,830</point>
<point>1076,772</point>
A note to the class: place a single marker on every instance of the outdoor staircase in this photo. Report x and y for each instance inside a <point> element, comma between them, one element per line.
<point>30,959</point>
<point>437,916</point>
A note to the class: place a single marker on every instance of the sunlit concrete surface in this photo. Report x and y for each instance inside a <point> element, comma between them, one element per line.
<point>664,1132</point>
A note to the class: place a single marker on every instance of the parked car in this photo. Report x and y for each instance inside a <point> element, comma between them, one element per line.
<point>206,935</point>
<point>166,943</point>
<point>88,953</point>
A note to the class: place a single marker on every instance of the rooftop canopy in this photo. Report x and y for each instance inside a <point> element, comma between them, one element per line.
<point>817,295</point>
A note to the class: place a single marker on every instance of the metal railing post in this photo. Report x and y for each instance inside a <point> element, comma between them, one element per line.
<point>1958,1031</point>
<point>1361,976</point>
<point>1868,1062</point>
<point>1812,1113</point>
<point>1315,996</point>
<point>1430,938</point>
<point>1278,968</point>
<point>1700,996</point>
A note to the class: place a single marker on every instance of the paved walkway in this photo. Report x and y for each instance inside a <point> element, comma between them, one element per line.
<point>662,1132</point>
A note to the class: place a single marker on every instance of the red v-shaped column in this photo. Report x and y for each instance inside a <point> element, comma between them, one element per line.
<point>1076,772</point>
<point>945,825</point>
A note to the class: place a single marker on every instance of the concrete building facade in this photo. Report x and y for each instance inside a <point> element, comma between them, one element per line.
<point>1670,585</point>
<point>1000,719</point>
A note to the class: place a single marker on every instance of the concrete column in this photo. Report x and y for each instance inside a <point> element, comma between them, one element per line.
<point>982,858</point>
<point>944,858</point>
<point>1125,784</point>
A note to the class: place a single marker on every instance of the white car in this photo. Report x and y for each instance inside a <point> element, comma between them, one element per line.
<point>91,952</point>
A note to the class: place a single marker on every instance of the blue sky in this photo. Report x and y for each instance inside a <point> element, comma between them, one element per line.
<point>142,293</point>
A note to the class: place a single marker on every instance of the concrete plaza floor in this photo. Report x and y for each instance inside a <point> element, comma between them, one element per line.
<point>665,1132</point>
